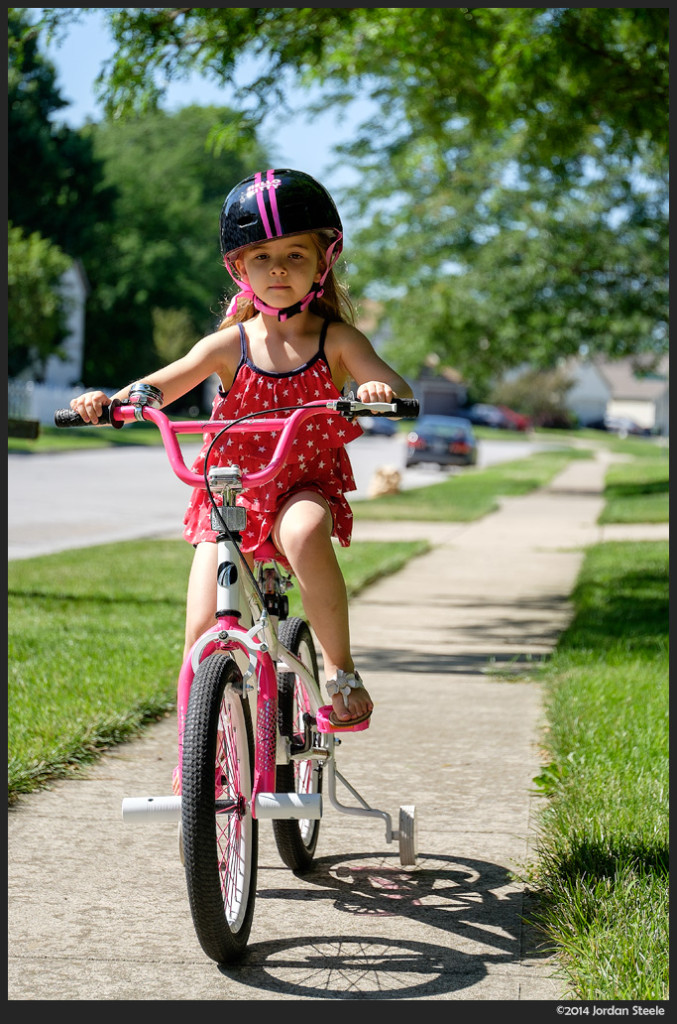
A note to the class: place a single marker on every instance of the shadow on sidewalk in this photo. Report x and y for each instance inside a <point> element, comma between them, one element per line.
<point>476,901</point>
<point>484,664</point>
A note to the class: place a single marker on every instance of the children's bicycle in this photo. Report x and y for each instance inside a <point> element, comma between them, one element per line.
<point>255,741</point>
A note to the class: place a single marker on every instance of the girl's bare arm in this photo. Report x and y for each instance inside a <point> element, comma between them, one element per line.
<point>217,353</point>
<point>354,358</point>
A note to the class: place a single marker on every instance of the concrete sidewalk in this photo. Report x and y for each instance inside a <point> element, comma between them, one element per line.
<point>98,909</point>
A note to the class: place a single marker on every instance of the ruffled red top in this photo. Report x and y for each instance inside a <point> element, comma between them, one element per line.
<point>318,460</point>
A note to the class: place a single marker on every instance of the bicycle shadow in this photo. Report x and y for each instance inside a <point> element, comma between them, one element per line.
<point>475,903</point>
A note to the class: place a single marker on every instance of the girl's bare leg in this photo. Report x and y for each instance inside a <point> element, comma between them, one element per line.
<point>201,596</point>
<point>302,534</point>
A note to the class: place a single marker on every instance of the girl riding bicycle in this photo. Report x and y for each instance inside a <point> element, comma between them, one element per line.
<point>287,338</point>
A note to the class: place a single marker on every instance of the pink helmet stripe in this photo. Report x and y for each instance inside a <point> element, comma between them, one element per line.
<point>261,204</point>
<point>270,176</point>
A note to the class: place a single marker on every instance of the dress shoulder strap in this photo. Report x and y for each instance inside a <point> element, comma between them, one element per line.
<point>243,344</point>
<point>323,335</point>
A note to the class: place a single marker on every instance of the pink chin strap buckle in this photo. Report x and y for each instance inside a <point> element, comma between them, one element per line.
<point>282,314</point>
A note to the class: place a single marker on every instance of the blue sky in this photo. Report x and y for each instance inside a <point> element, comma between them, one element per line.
<point>304,144</point>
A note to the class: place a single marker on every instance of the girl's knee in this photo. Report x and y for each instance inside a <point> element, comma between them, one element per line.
<point>305,519</point>
<point>195,627</point>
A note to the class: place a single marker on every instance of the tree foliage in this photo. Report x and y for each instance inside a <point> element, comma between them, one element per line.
<point>539,394</point>
<point>162,248</point>
<point>559,73</point>
<point>55,182</point>
<point>57,203</point>
<point>137,200</point>
<point>173,334</point>
<point>35,306</point>
<point>513,183</point>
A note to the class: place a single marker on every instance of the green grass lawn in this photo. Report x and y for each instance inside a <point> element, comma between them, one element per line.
<point>637,492</point>
<point>471,494</point>
<point>85,682</point>
<point>67,698</point>
<point>602,877</point>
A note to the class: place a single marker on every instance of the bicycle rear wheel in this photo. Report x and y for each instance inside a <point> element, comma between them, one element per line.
<point>220,843</point>
<point>296,840</point>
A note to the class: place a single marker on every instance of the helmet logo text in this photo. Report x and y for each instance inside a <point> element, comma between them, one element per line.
<point>259,186</point>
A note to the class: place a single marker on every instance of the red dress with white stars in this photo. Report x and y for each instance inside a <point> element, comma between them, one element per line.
<point>318,460</point>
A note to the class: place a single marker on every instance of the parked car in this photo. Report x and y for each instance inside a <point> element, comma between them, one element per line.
<point>446,440</point>
<point>483,415</point>
<point>378,425</point>
<point>517,420</point>
<point>623,425</point>
<point>501,417</point>
<point>599,424</point>
<point>620,425</point>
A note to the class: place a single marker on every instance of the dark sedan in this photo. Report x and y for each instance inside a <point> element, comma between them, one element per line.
<point>446,440</point>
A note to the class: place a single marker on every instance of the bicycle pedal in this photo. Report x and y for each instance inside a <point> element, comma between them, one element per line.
<point>324,723</point>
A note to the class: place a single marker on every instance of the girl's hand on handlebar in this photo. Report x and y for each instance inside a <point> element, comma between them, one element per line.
<point>89,405</point>
<point>375,391</point>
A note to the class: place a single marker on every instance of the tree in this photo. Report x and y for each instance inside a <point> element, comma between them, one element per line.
<point>162,246</point>
<point>541,395</point>
<point>490,278</point>
<point>514,179</point>
<point>557,72</point>
<point>55,182</point>
<point>173,334</point>
<point>137,200</point>
<point>35,308</point>
<point>56,202</point>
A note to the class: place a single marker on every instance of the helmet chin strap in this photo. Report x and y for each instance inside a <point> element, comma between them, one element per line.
<point>246,292</point>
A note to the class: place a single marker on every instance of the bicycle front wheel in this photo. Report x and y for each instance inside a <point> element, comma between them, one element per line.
<point>220,836</point>
<point>296,840</point>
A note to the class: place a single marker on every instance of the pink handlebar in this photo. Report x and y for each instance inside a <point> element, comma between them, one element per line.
<point>169,429</point>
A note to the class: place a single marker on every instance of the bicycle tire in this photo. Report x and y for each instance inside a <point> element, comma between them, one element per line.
<point>296,841</point>
<point>220,849</point>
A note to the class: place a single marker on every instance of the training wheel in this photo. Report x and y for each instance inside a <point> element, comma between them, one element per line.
<point>407,834</point>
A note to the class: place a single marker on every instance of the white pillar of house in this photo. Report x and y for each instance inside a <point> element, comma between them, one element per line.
<point>68,371</point>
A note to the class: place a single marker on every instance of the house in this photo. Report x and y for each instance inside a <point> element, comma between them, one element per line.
<point>620,389</point>
<point>66,372</point>
<point>32,401</point>
<point>439,389</point>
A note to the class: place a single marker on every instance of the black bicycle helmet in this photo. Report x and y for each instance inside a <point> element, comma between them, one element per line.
<point>273,204</point>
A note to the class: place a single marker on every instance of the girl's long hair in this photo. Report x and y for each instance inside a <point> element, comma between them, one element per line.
<point>334,304</point>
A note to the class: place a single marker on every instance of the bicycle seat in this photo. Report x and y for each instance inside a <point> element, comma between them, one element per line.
<point>267,552</point>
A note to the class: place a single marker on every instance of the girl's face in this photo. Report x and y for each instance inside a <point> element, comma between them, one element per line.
<point>282,271</point>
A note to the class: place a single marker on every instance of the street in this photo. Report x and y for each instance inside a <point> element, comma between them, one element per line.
<point>77,499</point>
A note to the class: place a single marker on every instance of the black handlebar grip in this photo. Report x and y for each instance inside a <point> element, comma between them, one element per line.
<point>70,418</point>
<point>407,408</point>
